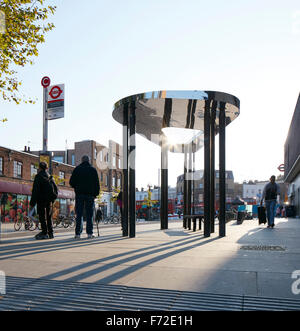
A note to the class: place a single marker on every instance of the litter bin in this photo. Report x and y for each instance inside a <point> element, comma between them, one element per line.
<point>240,217</point>
<point>290,211</point>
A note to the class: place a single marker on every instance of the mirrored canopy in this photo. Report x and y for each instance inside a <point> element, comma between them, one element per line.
<point>160,112</point>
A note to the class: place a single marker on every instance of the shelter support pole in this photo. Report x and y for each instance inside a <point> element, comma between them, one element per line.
<point>222,177</point>
<point>125,173</point>
<point>164,183</point>
<point>189,185</point>
<point>132,187</point>
<point>185,189</point>
<point>212,165</point>
<point>207,167</point>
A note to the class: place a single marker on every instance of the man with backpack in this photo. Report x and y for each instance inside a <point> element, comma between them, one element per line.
<point>270,192</point>
<point>44,192</point>
<point>85,182</point>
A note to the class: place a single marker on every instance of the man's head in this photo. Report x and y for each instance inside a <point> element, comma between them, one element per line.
<point>272,179</point>
<point>43,166</point>
<point>85,158</point>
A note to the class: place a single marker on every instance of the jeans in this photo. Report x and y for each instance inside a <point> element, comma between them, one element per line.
<point>270,207</point>
<point>84,202</point>
<point>43,210</point>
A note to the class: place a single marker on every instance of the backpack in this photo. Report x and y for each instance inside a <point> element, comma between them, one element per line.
<point>51,190</point>
<point>271,193</point>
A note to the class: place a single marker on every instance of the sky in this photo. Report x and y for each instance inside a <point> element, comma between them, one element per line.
<point>104,51</point>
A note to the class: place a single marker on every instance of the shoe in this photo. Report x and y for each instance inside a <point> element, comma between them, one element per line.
<point>269,226</point>
<point>91,236</point>
<point>50,235</point>
<point>272,226</point>
<point>41,236</point>
<point>77,236</point>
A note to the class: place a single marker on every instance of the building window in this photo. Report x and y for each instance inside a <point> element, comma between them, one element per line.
<point>120,165</point>
<point>1,165</point>
<point>73,159</point>
<point>101,177</point>
<point>58,159</point>
<point>61,176</point>
<point>101,156</point>
<point>95,154</point>
<point>114,161</point>
<point>33,171</point>
<point>113,181</point>
<point>18,169</point>
<point>119,182</point>
<point>106,180</point>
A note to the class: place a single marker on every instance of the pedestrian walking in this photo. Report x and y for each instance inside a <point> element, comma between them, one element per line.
<point>44,193</point>
<point>270,193</point>
<point>85,182</point>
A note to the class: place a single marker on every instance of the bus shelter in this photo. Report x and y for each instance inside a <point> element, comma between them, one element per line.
<point>152,114</point>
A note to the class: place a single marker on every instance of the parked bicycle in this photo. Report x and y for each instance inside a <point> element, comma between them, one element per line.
<point>113,219</point>
<point>30,223</point>
<point>64,221</point>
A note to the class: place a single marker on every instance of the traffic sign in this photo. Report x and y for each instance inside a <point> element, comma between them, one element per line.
<point>281,168</point>
<point>55,92</point>
<point>55,101</point>
<point>45,81</point>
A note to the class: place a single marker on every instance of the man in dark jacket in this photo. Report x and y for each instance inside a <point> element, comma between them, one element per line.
<point>270,193</point>
<point>85,182</point>
<point>41,195</point>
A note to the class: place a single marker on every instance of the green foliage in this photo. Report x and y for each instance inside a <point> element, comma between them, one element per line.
<point>21,33</point>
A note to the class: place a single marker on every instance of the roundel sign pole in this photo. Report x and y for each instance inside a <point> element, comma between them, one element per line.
<point>45,83</point>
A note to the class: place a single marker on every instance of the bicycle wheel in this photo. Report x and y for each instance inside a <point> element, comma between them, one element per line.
<point>115,219</point>
<point>18,225</point>
<point>32,225</point>
<point>72,222</point>
<point>65,223</point>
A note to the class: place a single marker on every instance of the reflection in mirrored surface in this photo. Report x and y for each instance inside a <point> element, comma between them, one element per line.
<point>182,110</point>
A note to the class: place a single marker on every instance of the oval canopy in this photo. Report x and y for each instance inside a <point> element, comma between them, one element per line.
<point>158,112</point>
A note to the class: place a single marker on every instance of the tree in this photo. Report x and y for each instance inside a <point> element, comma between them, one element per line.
<point>22,28</point>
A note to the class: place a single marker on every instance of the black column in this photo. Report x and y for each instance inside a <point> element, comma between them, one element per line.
<point>212,166</point>
<point>125,172</point>
<point>207,181</point>
<point>222,178</point>
<point>185,188</point>
<point>189,185</point>
<point>164,183</point>
<point>132,188</point>
<point>194,169</point>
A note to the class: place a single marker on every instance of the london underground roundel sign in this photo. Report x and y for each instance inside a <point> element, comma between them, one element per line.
<point>55,92</point>
<point>281,168</point>
<point>45,81</point>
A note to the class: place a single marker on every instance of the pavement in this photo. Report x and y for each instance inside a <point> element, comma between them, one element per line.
<point>251,261</point>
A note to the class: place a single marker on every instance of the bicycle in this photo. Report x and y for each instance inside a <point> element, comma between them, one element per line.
<point>30,223</point>
<point>68,221</point>
<point>113,219</point>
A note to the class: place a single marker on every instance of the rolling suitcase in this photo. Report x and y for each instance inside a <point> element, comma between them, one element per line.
<point>262,218</point>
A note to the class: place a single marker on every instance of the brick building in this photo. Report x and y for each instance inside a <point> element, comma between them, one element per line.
<point>107,160</point>
<point>292,160</point>
<point>17,171</point>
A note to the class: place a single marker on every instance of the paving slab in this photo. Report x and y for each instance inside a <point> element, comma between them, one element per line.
<point>173,259</point>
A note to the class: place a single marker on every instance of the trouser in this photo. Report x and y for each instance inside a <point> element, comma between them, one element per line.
<point>43,210</point>
<point>84,202</point>
<point>270,207</point>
